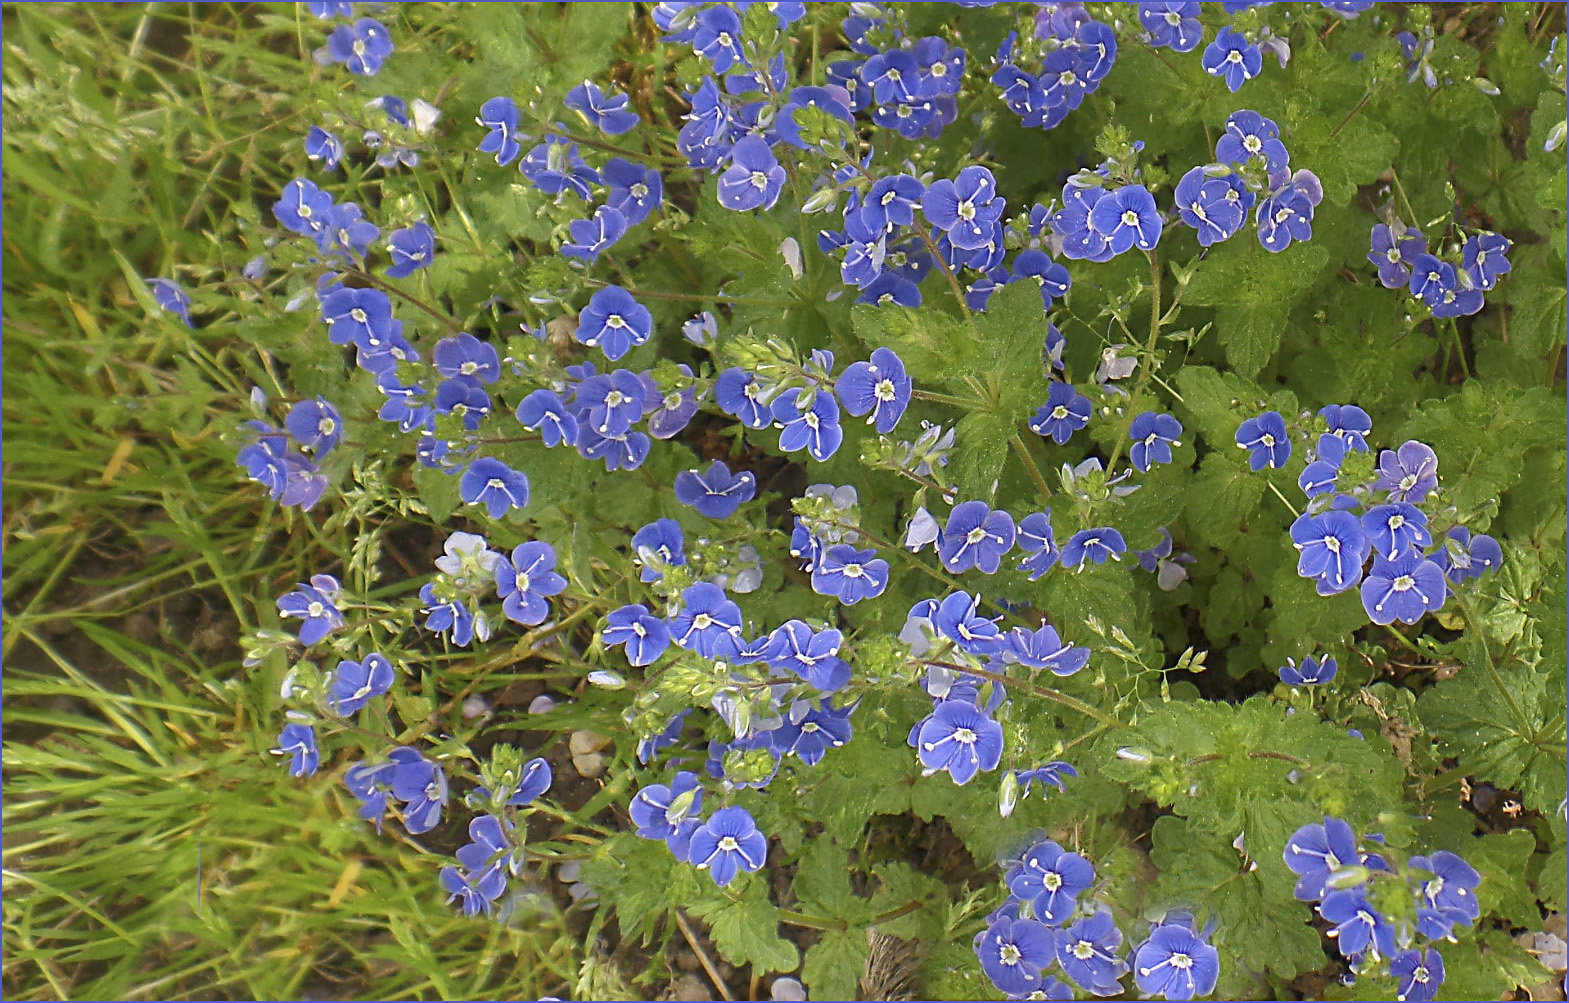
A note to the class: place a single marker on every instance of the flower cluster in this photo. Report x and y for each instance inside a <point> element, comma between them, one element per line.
<point>1334,871</point>
<point>1450,285</point>
<point>1252,170</point>
<point>1043,923</point>
<point>1050,71</point>
<point>1350,518</point>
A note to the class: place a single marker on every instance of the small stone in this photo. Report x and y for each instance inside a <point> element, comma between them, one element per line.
<point>590,766</point>
<point>690,987</point>
<point>585,741</point>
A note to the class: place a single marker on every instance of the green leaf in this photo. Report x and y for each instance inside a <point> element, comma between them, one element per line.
<point>1260,923</point>
<point>980,450</point>
<point>834,965</point>
<point>822,883</point>
<point>747,932</point>
<point>1253,292</point>
<point>899,884</point>
<point>1474,723</point>
<point>1481,435</point>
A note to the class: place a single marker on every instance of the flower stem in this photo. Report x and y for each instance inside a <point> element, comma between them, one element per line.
<point>1034,689</point>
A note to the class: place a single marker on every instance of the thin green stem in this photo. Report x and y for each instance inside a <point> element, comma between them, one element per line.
<point>1147,364</point>
<point>1467,611</point>
<point>655,294</point>
<point>1017,442</point>
<point>967,403</point>
<point>1289,507</point>
<point>1034,689</point>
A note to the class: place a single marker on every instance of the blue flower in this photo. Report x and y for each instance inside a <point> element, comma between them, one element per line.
<point>466,357</point>
<point>1463,556</point>
<point>485,865</point>
<point>590,236</point>
<point>315,425</point>
<point>1097,545</point>
<point>298,741</point>
<point>613,402</point>
<point>811,655</point>
<point>526,580</point>
<point>738,393</point>
<point>634,190</point>
<point>1176,962</point>
<point>614,322</point>
<point>1210,204</point>
<point>1320,476</point>
<point>849,574</point>
<point>370,783</point>
<point>1403,589</point>
<point>328,11</point>
<point>717,38</point>
<point>618,451</point>
<point>1311,672</point>
<point>411,248</point>
<point>976,536</point>
<point>1287,214</point>
<point>1233,57</point>
<point>878,389</point>
<point>671,813</point>
<point>646,637</point>
<point>1333,547</point>
<point>891,203</point>
<point>1358,927</point>
<point>754,178</point>
<point>495,485</point>
<point>1172,25</point>
<point>832,100</point>
<point>555,167</point>
<point>1396,528</point>
<point>1316,852</point>
<point>965,208</point>
<point>815,428</point>
<point>1052,773</point>
<point>656,545</point>
<point>608,114</point>
<point>1265,438</point>
<point>324,146</point>
<point>958,737</point>
<point>303,208</point>
<point>1409,473</point>
<point>1153,436</point>
<point>347,233</point>
<point>1044,649</point>
<point>707,623</point>
<point>716,493</point>
<point>1039,543</point>
<point>1065,412</point>
<point>676,408</point>
<point>316,605</point>
<point>422,787</point>
<point>1349,423</point>
<point>1394,254</point>
<point>500,116</point>
<point>650,745</point>
<point>1087,951</point>
<point>956,618</point>
<point>728,842</point>
<point>535,781</point>
<point>1052,277</point>
<point>443,615</point>
<point>543,411</point>
<point>1419,973</point>
<point>1251,136</point>
<point>1483,258</point>
<point>362,47</point>
<point>355,683</point>
<point>1452,888</point>
<point>1013,953</point>
<point>1050,879</point>
<point>810,730</point>
<point>361,317</point>
<point>1127,217</point>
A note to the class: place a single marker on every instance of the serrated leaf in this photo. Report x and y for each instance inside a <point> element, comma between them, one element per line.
<point>834,965</point>
<point>747,932</point>
<point>1474,723</point>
